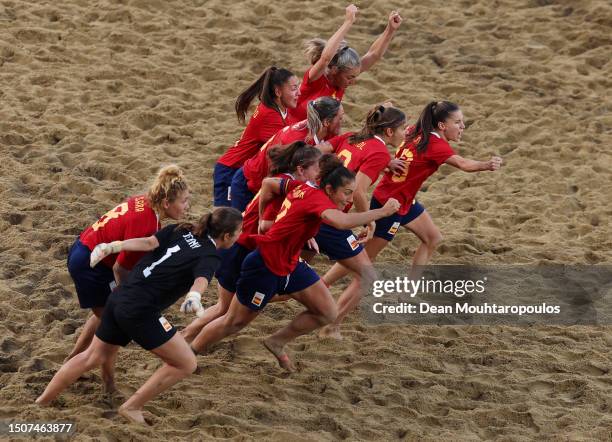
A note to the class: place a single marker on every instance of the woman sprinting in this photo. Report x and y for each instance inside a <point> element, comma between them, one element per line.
<point>140,215</point>
<point>183,259</point>
<point>278,91</point>
<point>274,267</point>
<point>426,148</point>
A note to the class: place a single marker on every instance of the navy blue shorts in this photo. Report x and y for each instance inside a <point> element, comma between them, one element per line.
<point>257,284</point>
<point>92,285</point>
<point>386,228</point>
<point>231,262</point>
<point>337,244</point>
<point>121,324</point>
<point>241,195</point>
<point>222,185</point>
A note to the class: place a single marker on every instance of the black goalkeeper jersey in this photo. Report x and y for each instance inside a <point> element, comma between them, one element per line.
<point>166,274</point>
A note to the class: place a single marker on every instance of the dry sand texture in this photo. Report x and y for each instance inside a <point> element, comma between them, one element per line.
<point>95,95</point>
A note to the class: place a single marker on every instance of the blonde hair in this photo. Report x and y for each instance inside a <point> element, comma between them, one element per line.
<point>345,57</point>
<point>169,184</point>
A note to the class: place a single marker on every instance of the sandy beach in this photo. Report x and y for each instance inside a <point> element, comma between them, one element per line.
<point>97,95</point>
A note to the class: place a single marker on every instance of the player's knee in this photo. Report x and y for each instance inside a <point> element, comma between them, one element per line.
<point>433,238</point>
<point>190,365</point>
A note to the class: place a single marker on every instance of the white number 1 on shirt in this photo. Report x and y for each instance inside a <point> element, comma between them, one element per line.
<point>147,271</point>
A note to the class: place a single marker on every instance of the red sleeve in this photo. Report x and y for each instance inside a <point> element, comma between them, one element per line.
<point>269,122</point>
<point>439,151</point>
<point>320,202</point>
<point>375,164</point>
<point>272,209</point>
<point>339,140</point>
<point>308,85</point>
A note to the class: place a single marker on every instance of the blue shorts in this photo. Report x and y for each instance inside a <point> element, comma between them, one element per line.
<point>386,228</point>
<point>257,284</point>
<point>241,195</point>
<point>231,262</point>
<point>337,244</point>
<point>222,185</point>
<point>92,285</point>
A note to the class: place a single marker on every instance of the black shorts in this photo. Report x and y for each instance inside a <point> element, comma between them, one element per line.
<point>122,323</point>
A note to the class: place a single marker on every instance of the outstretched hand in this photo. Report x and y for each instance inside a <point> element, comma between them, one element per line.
<point>351,13</point>
<point>495,163</point>
<point>395,20</point>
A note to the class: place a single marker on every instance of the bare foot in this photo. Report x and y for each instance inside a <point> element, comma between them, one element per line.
<point>42,403</point>
<point>278,351</point>
<point>331,331</point>
<point>134,416</point>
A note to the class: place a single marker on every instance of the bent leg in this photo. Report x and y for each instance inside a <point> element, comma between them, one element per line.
<point>95,355</point>
<point>237,317</point>
<point>425,229</point>
<point>87,334</point>
<point>179,362</point>
<point>320,310</point>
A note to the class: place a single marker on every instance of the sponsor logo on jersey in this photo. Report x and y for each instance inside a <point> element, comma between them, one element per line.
<point>258,299</point>
<point>352,242</point>
<point>165,324</point>
<point>394,227</point>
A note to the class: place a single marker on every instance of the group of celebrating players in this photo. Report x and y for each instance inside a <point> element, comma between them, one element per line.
<point>283,193</point>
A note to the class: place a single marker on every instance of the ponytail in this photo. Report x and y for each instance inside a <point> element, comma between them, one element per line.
<point>435,112</point>
<point>286,159</point>
<point>377,120</point>
<point>319,110</point>
<point>220,221</point>
<point>263,88</point>
<point>332,172</point>
<point>169,184</point>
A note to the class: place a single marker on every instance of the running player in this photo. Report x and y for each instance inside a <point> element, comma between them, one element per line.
<point>278,91</point>
<point>274,267</point>
<point>297,162</point>
<point>168,197</point>
<point>335,65</point>
<point>364,153</point>
<point>425,149</point>
<point>183,258</point>
<point>324,121</point>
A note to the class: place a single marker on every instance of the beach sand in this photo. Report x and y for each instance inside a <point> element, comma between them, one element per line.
<point>97,95</point>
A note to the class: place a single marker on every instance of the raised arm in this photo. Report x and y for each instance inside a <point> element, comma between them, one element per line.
<point>468,165</point>
<point>380,45</point>
<point>343,221</point>
<point>332,45</point>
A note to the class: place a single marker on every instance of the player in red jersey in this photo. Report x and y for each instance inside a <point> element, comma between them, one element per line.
<point>274,267</point>
<point>278,91</point>
<point>425,149</point>
<point>364,153</point>
<point>324,121</point>
<point>299,162</point>
<point>168,197</point>
<point>335,66</point>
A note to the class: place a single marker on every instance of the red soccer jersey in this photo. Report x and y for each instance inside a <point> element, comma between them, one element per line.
<point>420,167</point>
<point>311,90</point>
<point>369,157</point>
<point>250,216</point>
<point>264,123</point>
<point>257,168</point>
<point>131,219</point>
<point>297,222</point>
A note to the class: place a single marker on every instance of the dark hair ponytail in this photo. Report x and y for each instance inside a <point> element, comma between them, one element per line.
<point>263,88</point>
<point>332,172</point>
<point>287,158</point>
<point>435,112</point>
<point>377,120</point>
<point>217,223</point>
